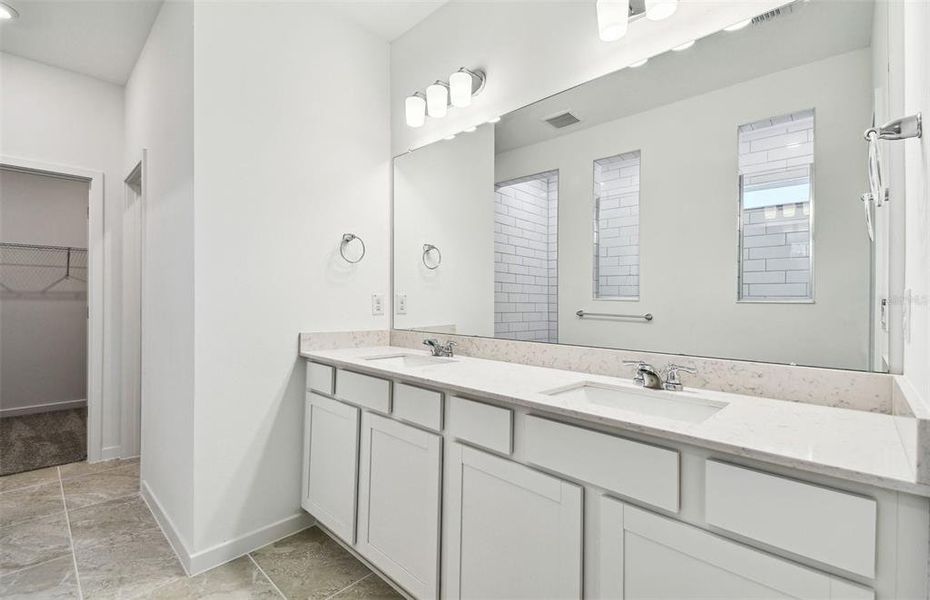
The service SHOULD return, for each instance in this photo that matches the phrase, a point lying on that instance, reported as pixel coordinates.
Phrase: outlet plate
(400, 302)
(377, 304)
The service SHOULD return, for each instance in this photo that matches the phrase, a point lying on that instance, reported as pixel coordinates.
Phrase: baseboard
(42, 408)
(198, 562)
(167, 527)
(227, 551)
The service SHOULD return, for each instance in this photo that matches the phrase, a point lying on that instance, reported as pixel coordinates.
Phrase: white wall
(678, 258)
(292, 150)
(43, 332)
(554, 48)
(55, 116)
(444, 195)
(917, 165)
(160, 118)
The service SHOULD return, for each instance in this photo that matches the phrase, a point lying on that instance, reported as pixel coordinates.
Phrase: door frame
(131, 404)
(98, 279)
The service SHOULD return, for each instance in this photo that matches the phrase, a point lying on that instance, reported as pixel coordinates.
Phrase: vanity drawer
(320, 378)
(639, 471)
(423, 407)
(488, 426)
(363, 390)
(830, 526)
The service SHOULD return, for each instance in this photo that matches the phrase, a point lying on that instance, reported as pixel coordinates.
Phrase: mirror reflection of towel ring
(348, 238)
(427, 249)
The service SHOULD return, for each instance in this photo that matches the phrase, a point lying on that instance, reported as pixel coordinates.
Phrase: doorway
(43, 319)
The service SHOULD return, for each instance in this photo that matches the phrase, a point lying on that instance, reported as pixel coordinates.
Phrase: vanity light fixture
(437, 99)
(656, 10)
(613, 19)
(738, 25)
(7, 12)
(684, 46)
(415, 108)
(639, 63)
(464, 84)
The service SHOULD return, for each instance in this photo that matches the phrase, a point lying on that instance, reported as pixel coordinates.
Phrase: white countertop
(848, 444)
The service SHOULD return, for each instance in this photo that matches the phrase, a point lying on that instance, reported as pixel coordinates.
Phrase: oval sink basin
(409, 360)
(681, 406)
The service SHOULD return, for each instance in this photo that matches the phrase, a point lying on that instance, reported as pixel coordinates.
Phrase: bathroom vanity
(469, 478)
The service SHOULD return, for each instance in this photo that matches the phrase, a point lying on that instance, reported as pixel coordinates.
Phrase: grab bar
(582, 314)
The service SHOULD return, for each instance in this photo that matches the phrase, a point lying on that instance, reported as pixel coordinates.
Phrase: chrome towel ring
(427, 250)
(348, 238)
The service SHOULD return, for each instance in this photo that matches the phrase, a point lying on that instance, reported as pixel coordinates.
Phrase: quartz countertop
(847, 444)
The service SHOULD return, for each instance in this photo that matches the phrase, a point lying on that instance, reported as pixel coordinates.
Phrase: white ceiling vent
(774, 14)
(562, 119)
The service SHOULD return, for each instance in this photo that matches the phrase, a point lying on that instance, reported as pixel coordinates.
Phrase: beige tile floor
(83, 531)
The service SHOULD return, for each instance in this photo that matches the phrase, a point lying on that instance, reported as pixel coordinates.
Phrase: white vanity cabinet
(399, 502)
(513, 532)
(331, 463)
(644, 555)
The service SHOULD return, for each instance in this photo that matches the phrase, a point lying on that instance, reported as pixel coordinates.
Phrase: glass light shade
(613, 18)
(7, 12)
(656, 10)
(460, 89)
(416, 110)
(437, 100)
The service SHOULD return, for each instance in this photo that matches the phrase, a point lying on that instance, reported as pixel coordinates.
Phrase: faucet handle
(672, 380)
(641, 367)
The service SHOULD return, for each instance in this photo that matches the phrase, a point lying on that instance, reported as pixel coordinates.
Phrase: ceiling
(388, 19)
(100, 38)
(803, 33)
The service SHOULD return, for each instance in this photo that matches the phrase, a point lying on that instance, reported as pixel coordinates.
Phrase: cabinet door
(513, 532)
(399, 495)
(331, 464)
(643, 555)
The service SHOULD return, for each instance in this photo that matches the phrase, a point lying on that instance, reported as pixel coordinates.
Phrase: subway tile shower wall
(526, 256)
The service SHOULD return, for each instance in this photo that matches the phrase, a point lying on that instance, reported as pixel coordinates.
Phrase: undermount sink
(409, 360)
(681, 406)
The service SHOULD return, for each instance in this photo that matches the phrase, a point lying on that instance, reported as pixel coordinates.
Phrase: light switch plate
(400, 301)
(377, 304)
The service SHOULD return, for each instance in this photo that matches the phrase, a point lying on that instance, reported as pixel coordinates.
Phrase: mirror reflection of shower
(526, 254)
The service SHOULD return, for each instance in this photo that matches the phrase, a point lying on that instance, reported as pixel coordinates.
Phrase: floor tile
(52, 580)
(129, 568)
(28, 478)
(30, 503)
(370, 588)
(37, 541)
(112, 522)
(309, 565)
(85, 468)
(236, 580)
(102, 486)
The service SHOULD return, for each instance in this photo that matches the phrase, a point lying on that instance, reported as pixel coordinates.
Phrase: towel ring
(427, 248)
(348, 238)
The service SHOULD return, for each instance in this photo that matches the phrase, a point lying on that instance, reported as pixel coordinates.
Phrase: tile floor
(83, 531)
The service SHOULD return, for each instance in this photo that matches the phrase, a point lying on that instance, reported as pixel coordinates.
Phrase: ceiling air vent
(773, 14)
(562, 120)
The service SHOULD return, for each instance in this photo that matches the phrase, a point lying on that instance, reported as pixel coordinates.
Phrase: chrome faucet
(672, 380)
(648, 377)
(440, 349)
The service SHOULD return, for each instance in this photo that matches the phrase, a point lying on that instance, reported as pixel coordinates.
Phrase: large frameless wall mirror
(706, 203)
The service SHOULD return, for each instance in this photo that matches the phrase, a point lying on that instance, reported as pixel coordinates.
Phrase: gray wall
(43, 335)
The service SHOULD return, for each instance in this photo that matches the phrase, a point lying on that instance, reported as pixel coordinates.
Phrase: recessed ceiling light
(7, 12)
(738, 26)
(684, 46)
(494, 120)
(639, 63)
